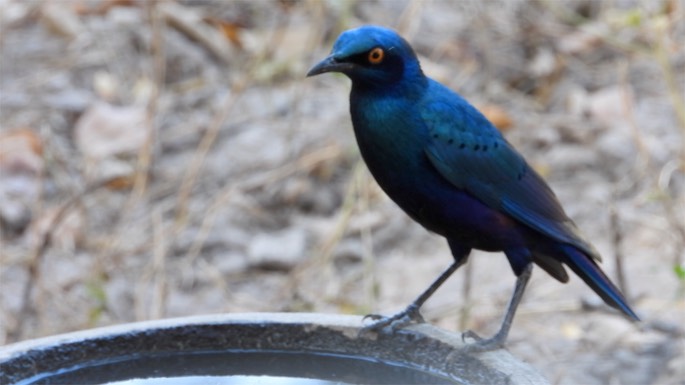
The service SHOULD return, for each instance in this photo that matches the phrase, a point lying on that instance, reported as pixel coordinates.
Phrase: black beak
(330, 64)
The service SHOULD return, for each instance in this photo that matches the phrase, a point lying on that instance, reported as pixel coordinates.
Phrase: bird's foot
(483, 344)
(392, 323)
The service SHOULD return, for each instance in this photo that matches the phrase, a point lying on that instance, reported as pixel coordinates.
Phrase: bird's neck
(410, 88)
(385, 121)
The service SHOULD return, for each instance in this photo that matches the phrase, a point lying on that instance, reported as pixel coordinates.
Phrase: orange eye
(376, 55)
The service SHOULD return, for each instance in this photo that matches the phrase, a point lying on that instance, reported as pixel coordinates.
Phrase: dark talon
(470, 334)
(484, 345)
(393, 323)
(374, 317)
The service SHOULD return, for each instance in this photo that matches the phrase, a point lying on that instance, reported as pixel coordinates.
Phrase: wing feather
(472, 155)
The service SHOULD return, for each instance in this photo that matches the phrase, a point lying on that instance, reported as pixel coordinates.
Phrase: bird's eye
(376, 55)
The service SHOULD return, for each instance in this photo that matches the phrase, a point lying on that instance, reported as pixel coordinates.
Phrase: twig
(146, 152)
(578, 20)
(211, 135)
(617, 241)
(190, 23)
(160, 248)
(38, 254)
(327, 246)
(201, 152)
(671, 208)
(304, 164)
(410, 18)
(370, 278)
(672, 84)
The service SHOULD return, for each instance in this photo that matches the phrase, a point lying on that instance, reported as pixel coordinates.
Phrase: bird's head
(371, 56)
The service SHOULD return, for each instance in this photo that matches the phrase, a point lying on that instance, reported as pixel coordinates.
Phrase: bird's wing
(472, 155)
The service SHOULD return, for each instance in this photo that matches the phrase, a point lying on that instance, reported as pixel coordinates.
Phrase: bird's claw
(482, 344)
(374, 317)
(470, 334)
(389, 324)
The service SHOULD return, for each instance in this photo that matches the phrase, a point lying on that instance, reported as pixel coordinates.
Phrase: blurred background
(169, 158)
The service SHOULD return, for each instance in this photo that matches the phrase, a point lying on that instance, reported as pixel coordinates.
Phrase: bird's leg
(498, 340)
(411, 313)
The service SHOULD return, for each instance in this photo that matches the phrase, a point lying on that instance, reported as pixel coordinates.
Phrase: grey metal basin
(264, 348)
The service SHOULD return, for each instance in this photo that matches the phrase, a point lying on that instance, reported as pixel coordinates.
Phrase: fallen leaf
(21, 170)
(287, 46)
(66, 230)
(61, 20)
(189, 22)
(120, 182)
(101, 7)
(21, 151)
(229, 29)
(119, 175)
(612, 105)
(497, 116)
(105, 131)
(582, 40)
(281, 250)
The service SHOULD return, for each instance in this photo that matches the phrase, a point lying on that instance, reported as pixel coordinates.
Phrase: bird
(451, 170)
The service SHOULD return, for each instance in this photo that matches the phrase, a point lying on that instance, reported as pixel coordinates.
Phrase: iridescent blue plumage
(452, 171)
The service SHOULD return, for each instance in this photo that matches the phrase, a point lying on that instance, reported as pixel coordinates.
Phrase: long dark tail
(587, 269)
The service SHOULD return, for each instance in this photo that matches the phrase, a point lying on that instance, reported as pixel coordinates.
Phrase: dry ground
(163, 159)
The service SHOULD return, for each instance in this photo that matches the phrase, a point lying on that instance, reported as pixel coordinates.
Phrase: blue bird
(453, 172)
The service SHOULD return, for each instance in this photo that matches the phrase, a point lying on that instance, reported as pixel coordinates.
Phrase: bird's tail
(589, 271)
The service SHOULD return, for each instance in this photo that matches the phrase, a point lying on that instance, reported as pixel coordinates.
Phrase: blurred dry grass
(168, 158)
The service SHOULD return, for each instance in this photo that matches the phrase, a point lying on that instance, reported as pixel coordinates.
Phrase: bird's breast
(391, 140)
